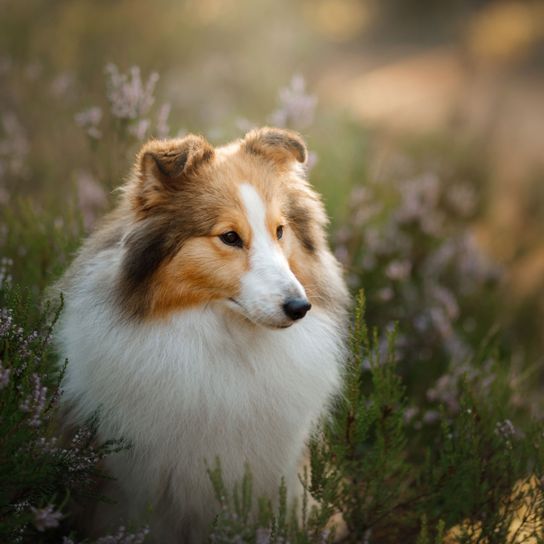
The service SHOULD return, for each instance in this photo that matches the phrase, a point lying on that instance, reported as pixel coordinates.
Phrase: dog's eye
(279, 232)
(231, 238)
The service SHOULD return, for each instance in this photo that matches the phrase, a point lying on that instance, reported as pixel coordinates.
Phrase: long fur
(155, 343)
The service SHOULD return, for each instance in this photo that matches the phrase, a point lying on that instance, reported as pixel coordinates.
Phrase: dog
(204, 318)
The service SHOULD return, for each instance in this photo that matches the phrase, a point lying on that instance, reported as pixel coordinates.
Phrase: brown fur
(183, 195)
(277, 145)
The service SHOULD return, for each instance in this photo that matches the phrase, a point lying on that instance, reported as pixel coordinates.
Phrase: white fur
(269, 282)
(204, 383)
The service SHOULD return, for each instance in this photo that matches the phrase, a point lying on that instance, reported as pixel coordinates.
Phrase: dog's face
(238, 225)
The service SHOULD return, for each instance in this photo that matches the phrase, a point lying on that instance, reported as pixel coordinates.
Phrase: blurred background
(425, 121)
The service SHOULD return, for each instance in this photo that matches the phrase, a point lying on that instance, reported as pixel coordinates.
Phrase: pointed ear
(276, 144)
(162, 168)
(168, 162)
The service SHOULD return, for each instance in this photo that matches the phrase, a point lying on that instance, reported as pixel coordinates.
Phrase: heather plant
(431, 441)
(242, 519)
(409, 240)
(126, 118)
(40, 235)
(478, 479)
(41, 472)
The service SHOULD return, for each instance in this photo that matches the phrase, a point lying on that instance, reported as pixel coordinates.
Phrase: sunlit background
(413, 110)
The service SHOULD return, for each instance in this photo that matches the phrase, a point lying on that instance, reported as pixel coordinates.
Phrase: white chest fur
(200, 385)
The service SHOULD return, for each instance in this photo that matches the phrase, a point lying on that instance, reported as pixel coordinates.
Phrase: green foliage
(241, 520)
(366, 438)
(478, 474)
(39, 243)
(40, 471)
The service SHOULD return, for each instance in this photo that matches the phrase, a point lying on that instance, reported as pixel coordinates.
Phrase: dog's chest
(224, 370)
(200, 374)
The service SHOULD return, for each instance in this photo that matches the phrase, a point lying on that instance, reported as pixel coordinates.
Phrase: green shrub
(477, 472)
(40, 471)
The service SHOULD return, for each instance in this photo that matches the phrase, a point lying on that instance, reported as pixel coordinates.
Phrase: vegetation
(469, 482)
(437, 437)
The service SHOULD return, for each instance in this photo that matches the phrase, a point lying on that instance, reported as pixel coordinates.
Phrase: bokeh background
(425, 121)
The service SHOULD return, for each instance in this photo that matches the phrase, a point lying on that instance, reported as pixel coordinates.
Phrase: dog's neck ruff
(169, 366)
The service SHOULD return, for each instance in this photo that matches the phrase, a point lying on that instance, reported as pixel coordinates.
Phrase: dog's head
(237, 224)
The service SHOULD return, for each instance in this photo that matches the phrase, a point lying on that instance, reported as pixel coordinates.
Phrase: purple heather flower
(410, 413)
(6, 321)
(46, 518)
(474, 263)
(14, 147)
(4, 375)
(89, 120)
(446, 299)
(505, 429)
(385, 294)
(130, 97)
(312, 160)
(296, 107)
(342, 254)
(61, 84)
(324, 536)
(364, 213)
(47, 445)
(163, 130)
(360, 195)
(263, 536)
(419, 196)
(462, 198)
(5, 267)
(445, 391)
(122, 537)
(91, 197)
(139, 128)
(431, 416)
(34, 404)
(441, 323)
(244, 125)
(368, 263)
(398, 270)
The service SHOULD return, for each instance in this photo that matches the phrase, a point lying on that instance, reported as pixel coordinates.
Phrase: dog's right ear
(163, 166)
(171, 161)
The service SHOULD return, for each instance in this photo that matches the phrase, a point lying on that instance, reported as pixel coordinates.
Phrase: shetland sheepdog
(204, 319)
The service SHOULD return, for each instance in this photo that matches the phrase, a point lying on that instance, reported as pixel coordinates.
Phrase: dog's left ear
(278, 145)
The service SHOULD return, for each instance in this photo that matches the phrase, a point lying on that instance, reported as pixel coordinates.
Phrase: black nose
(296, 308)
